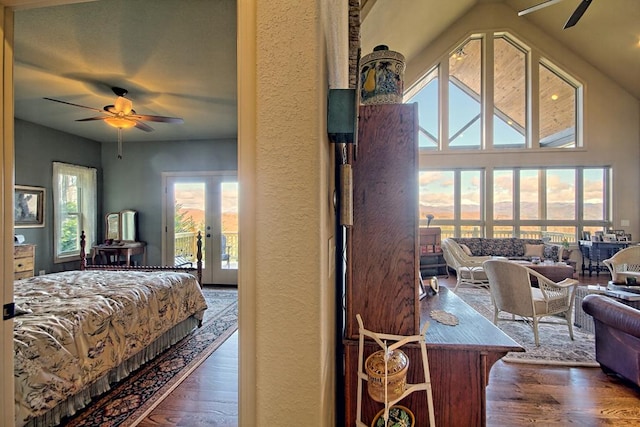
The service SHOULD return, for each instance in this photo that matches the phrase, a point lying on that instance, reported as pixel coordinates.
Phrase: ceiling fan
(573, 19)
(121, 115)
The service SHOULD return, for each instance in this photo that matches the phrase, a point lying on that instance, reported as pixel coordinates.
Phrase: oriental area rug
(556, 347)
(129, 401)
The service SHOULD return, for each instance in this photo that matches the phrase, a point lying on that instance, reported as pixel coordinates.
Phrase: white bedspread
(81, 324)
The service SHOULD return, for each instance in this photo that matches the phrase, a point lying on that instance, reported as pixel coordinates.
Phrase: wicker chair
(469, 269)
(511, 291)
(624, 263)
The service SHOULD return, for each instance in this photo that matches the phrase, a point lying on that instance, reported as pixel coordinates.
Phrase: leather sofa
(617, 328)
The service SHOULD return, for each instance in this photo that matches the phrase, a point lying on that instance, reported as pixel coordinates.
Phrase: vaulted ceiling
(607, 36)
(178, 57)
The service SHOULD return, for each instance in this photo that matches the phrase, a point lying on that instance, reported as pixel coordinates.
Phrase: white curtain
(79, 184)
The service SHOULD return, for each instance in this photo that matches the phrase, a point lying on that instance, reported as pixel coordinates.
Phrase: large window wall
(493, 92)
(556, 203)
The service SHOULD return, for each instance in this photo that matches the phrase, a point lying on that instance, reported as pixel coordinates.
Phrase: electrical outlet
(41, 273)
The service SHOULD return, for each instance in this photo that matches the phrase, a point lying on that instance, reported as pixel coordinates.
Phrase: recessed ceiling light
(554, 97)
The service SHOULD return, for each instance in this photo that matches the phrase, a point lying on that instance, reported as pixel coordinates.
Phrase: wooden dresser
(23, 261)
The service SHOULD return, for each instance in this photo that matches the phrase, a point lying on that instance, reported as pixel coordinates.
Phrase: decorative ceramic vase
(382, 77)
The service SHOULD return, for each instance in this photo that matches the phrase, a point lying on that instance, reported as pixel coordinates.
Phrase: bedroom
(206, 148)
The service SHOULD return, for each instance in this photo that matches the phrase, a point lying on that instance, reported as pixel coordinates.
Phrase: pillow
(466, 249)
(552, 252)
(533, 250)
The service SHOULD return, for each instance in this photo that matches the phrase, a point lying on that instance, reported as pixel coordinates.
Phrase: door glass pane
(229, 225)
(465, 96)
(189, 217)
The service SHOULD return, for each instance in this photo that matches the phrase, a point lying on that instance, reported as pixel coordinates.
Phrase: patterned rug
(556, 348)
(131, 400)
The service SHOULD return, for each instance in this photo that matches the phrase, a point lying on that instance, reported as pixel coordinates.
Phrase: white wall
(287, 224)
(611, 115)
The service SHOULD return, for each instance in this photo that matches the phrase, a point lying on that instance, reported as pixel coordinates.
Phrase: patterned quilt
(73, 327)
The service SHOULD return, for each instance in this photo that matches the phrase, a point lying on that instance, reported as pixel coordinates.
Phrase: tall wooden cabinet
(382, 260)
(382, 245)
(382, 283)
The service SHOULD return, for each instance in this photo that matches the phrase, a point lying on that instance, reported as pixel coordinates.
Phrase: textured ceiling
(175, 57)
(178, 57)
(607, 36)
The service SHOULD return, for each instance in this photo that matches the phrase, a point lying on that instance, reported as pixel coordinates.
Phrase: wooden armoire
(382, 246)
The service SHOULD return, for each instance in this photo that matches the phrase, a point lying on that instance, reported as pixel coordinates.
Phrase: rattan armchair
(624, 263)
(511, 292)
(469, 269)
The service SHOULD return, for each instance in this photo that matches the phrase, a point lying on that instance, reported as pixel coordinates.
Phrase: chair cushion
(538, 301)
(553, 304)
(478, 273)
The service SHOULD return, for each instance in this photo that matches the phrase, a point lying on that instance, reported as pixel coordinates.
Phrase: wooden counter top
(473, 329)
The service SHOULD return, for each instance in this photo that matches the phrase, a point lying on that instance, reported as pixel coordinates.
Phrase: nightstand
(23, 261)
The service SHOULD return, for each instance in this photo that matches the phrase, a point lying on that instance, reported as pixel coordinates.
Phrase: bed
(78, 332)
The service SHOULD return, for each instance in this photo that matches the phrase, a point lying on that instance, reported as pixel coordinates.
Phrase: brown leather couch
(617, 329)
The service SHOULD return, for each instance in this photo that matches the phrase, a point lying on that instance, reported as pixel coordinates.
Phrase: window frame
(487, 223)
(533, 59)
(86, 212)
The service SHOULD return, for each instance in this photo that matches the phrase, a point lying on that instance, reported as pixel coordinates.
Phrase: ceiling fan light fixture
(120, 122)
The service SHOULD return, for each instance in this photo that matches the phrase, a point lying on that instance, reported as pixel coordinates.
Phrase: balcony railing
(185, 248)
(548, 236)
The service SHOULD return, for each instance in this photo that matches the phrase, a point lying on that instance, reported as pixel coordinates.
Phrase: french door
(204, 202)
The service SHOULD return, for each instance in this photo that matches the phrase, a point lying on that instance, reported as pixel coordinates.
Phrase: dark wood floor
(517, 394)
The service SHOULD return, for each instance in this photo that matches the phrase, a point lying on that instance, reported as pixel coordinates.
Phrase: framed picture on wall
(28, 210)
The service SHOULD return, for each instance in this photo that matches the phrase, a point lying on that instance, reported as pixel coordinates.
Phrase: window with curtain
(74, 209)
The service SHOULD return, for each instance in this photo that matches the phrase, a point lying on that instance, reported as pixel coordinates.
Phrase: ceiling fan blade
(538, 7)
(88, 119)
(577, 14)
(143, 126)
(161, 119)
(75, 105)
